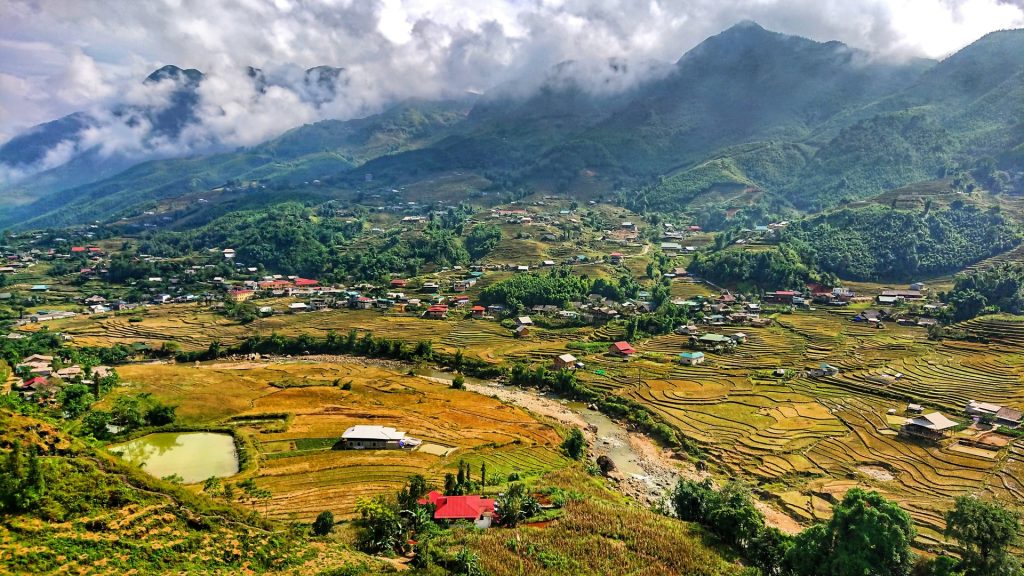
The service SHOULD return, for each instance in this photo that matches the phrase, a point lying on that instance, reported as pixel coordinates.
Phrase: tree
(984, 531)
(75, 399)
(379, 526)
(95, 423)
(127, 412)
(21, 479)
(160, 415)
(459, 383)
(867, 536)
(575, 445)
(324, 523)
(415, 489)
(516, 505)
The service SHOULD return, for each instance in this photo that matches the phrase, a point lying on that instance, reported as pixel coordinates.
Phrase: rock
(606, 464)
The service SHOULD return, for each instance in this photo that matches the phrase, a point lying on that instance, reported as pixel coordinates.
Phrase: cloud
(59, 56)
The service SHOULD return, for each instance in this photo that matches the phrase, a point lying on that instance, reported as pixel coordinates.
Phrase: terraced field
(805, 440)
(296, 463)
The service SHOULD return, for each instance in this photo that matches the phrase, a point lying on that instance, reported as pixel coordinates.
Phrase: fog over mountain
(59, 57)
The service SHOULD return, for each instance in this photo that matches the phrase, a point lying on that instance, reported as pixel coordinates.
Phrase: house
(298, 307)
(478, 311)
(904, 294)
(918, 287)
(780, 297)
(714, 340)
(671, 247)
(367, 437)
(915, 408)
(399, 283)
(361, 303)
(240, 295)
(521, 331)
(688, 330)
(476, 509)
(739, 337)
(565, 361)
(40, 288)
(524, 321)
(934, 427)
(305, 282)
(615, 257)
(692, 358)
(982, 409)
(430, 287)
(1009, 417)
(522, 268)
(436, 312)
(621, 348)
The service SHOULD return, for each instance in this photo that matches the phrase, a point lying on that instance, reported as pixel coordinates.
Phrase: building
(478, 510)
(399, 283)
(240, 295)
(478, 311)
(565, 361)
(365, 437)
(933, 427)
(621, 348)
(999, 415)
(298, 307)
(524, 321)
(692, 358)
(436, 312)
(780, 297)
(904, 294)
(521, 331)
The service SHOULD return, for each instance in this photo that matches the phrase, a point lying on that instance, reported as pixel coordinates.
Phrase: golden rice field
(802, 440)
(806, 441)
(296, 463)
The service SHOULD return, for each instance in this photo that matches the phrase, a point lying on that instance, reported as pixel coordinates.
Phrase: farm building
(615, 257)
(621, 349)
(476, 509)
(780, 297)
(692, 358)
(478, 311)
(566, 361)
(934, 426)
(524, 321)
(366, 437)
(521, 331)
(1001, 415)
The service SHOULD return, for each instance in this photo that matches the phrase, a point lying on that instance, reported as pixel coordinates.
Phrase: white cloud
(58, 56)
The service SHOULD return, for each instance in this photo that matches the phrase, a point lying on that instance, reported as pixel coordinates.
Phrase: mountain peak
(170, 71)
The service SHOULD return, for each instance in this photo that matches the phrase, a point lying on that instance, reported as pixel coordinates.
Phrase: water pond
(195, 456)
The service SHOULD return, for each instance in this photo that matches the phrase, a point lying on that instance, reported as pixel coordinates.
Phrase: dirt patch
(876, 473)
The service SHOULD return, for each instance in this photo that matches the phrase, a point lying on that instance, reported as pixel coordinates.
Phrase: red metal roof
(478, 309)
(305, 282)
(78, 248)
(624, 347)
(438, 308)
(458, 507)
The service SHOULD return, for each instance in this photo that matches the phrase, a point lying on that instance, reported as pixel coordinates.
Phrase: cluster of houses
(936, 426)
(38, 378)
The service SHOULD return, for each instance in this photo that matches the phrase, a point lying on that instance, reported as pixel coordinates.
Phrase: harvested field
(297, 462)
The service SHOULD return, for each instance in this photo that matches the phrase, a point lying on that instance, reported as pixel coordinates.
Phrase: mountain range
(797, 124)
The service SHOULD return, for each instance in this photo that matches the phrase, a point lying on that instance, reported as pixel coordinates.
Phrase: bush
(324, 523)
(575, 445)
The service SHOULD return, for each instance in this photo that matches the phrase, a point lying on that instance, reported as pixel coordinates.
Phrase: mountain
(748, 120)
(301, 155)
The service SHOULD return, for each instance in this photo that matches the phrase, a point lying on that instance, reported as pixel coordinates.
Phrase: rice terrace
(755, 312)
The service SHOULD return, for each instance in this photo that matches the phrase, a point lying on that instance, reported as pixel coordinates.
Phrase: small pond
(195, 456)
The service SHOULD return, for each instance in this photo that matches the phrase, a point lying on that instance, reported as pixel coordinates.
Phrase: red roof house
(399, 283)
(437, 312)
(305, 282)
(622, 349)
(33, 382)
(478, 311)
(77, 249)
(478, 509)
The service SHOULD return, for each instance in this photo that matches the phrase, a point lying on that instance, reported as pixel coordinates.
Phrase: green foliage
(459, 382)
(867, 535)
(324, 523)
(575, 445)
(482, 239)
(75, 399)
(881, 243)
(515, 505)
(997, 289)
(379, 528)
(22, 483)
(774, 269)
(558, 287)
(985, 532)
